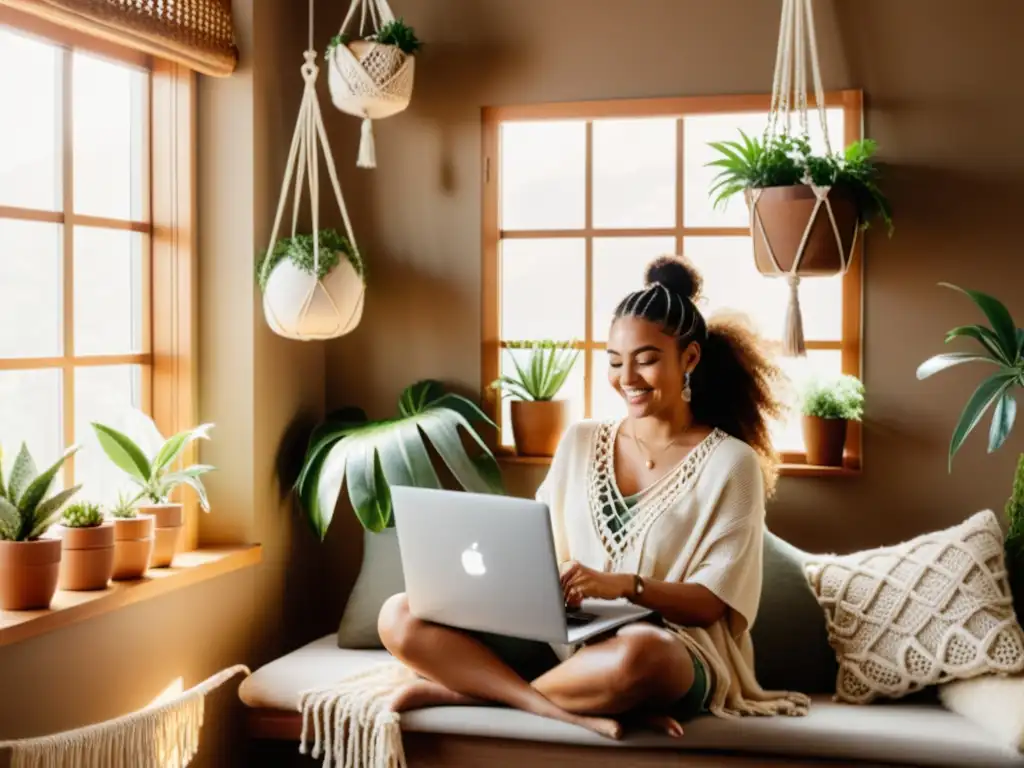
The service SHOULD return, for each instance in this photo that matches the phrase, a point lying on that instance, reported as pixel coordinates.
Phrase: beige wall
(943, 94)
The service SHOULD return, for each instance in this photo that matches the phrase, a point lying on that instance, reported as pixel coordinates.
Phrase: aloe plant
(153, 474)
(373, 455)
(26, 509)
(1000, 345)
(542, 377)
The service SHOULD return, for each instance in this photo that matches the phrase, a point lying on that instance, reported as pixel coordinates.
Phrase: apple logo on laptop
(473, 561)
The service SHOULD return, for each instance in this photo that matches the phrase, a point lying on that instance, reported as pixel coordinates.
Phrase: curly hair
(735, 385)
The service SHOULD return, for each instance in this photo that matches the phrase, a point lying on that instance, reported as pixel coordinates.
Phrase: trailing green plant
(373, 455)
(396, 33)
(153, 474)
(342, 39)
(123, 508)
(784, 161)
(83, 514)
(27, 510)
(299, 249)
(838, 397)
(544, 373)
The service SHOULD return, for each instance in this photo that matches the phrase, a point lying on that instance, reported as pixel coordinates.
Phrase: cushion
(930, 610)
(380, 577)
(995, 703)
(790, 625)
(894, 733)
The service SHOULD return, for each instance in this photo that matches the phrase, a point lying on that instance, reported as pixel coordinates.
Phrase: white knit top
(702, 523)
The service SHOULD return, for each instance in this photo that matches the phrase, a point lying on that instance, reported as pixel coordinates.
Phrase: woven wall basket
(800, 231)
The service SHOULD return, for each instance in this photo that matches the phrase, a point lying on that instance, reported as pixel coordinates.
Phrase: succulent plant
(398, 34)
(26, 509)
(153, 474)
(123, 508)
(83, 514)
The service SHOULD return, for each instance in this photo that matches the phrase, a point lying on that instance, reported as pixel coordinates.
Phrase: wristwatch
(638, 586)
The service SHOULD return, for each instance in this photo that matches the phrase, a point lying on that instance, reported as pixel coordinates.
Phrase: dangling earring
(687, 392)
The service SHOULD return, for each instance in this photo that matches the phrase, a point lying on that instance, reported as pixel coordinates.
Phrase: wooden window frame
(851, 101)
(169, 356)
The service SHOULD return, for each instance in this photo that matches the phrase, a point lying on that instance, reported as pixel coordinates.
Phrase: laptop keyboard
(575, 617)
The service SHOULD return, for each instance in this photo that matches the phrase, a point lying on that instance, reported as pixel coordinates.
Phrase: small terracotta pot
(28, 574)
(538, 425)
(170, 526)
(825, 440)
(87, 560)
(780, 217)
(133, 546)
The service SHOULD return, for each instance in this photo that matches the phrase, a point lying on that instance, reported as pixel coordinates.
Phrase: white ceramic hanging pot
(299, 306)
(370, 80)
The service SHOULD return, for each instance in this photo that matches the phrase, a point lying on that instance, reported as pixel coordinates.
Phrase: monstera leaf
(370, 456)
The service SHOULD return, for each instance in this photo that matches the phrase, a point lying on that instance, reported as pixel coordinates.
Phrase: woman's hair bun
(675, 273)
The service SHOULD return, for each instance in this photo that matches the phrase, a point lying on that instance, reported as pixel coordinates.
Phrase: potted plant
(373, 455)
(312, 290)
(134, 537)
(372, 78)
(156, 481)
(999, 345)
(538, 419)
(87, 559)
(29, 563)
(828, 405)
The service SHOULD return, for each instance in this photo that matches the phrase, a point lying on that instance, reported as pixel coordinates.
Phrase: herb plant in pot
(87, 559)
(156, 481)
(538, 419)
(134, 539)
(30, 563)
(828, 405)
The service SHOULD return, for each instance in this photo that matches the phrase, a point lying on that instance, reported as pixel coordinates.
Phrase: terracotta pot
(170, 527)
(87, 560)
(133, 546)
(28, 574)
(781, 215)
(825, 440)
(538, 425)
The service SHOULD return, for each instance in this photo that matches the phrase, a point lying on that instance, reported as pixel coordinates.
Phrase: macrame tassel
(367, 146)
(793, 333)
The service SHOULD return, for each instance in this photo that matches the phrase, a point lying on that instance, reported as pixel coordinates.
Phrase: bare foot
(421, 694)
(602, 726)
(665, 724)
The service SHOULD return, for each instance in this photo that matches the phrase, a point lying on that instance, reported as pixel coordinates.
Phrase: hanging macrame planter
(372, 78)
(313, 285)
(802, 230)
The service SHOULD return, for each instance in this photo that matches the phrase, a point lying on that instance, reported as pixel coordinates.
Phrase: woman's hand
(579, 582)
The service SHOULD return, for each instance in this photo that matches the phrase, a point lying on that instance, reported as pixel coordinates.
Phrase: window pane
(619, 264)
(731, 281)
(635, 173)
(788, 435)
(607, 403)
(30, 289)
(104, 394)
(543, 170)
(108, 291)
(30, 412)
(542, 289)
(108, 142)
(30, 158)
(698, 130)
(572, 390)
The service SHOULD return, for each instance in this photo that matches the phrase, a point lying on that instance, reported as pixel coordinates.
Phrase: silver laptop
(487, 562)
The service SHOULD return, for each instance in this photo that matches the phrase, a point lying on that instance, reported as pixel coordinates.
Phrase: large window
(95, 271)
(579, 197)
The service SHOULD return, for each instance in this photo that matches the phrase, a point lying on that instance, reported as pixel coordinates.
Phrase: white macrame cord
(304, 163)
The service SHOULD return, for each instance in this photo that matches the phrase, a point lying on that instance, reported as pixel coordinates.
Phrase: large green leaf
(368, 489)
(987, 393)
(940, 363)
(40, 487)
(47, 513)
(998, 316)
(22, 474)
(984, 336)
(123, 451)
(10, 520)
(196, 485)
(175, 445)
(1002, 421)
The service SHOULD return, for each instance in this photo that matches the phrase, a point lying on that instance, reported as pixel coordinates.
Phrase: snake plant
(26, 509)
(541, 378)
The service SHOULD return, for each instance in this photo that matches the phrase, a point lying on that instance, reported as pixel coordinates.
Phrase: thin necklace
(648, 460)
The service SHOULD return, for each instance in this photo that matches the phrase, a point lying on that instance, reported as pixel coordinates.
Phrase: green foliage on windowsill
(544, 373)
(839, 397)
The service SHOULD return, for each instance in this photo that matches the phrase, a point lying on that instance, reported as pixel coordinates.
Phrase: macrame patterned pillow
(933, 609)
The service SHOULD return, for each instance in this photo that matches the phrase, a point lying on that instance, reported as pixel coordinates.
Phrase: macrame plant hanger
(368, 79)
(316, 297)
(797, 47)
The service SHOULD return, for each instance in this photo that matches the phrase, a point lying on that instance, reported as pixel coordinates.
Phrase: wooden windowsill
(71, 607)
(785, 470)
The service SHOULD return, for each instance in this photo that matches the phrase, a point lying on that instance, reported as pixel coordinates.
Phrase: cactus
(82, 515)
(26, 509)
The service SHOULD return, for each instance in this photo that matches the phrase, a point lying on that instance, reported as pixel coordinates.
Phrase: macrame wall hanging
(372, 78)
(313, 285)
(802, 230)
